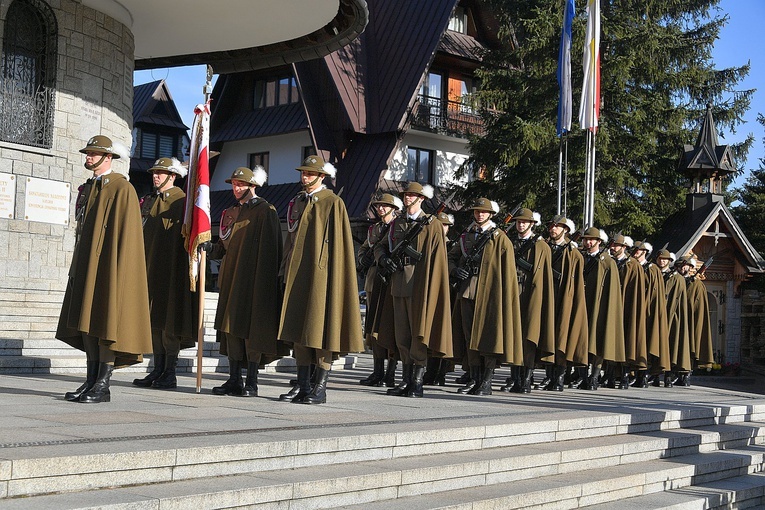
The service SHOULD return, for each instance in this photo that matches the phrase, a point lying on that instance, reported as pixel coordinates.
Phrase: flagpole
(201, 281)
(560, 172)
(565, 176)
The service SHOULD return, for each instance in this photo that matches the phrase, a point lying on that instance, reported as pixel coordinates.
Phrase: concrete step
(472, 480)
(443, 454)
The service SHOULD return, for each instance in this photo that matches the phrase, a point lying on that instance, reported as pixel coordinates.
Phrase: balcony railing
(452, 118)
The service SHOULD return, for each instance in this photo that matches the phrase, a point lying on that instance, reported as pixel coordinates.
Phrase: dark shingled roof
(461, 45)
(146, 98)
(261, 122)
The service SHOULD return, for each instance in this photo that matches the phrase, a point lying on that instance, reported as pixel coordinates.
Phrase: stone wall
(94, 94)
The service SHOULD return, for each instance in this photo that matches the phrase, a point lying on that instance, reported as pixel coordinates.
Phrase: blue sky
(739, 42)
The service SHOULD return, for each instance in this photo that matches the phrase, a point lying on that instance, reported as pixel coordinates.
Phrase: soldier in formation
(105, 312)
(320, 315)
(174, 307)
(247, 317)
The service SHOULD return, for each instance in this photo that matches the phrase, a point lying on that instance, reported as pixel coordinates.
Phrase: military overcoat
(249, 300)
(633, 283)
(384, 334)
(496, 327)
(604, 308)
(657, 329)
(701, 328)
(321, 302)
(537, 295)
(679, 320)
(570, 306)
(106, 295)
(174, 308)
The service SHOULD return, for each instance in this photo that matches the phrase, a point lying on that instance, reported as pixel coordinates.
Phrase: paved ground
(33, 412)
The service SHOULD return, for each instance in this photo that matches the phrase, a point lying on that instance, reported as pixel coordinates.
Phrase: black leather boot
(640, 379)
(558, 374)
(251, 383)
(594, 380)
(390, 373)
(484, 388)
(100, 390)
(303, 383)
(511, 381)
(90, 380)
(431, 371)
(668, 379)
(475, 376)
(443, 369)
(232, 386)
(318, 393)
(527, 379)
(547, 380)
(159, 367)
(464, 378)
(625, 379)
(414, 389)
(406, 378)
(579, 379)
(377, 376)
(684, 379)
(167, 381)
(609, 379)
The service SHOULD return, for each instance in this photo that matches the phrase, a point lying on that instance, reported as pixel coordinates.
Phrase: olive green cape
(174, 307)
(537, 300)
(384, 335)
(679, 320)
(604, 308)
(497, 320)
(249, 300)
(657, 329)
(701, 328)
(321, 302)
(571, 341)
(107, 296)
(633, 284)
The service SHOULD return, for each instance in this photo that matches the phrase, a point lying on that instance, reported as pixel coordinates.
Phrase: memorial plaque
(7, 195)
(47, 201)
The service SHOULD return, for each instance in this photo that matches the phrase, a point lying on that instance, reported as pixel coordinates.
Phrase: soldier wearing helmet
(604, 308)
(486, 321)
(702, 351)
(378, 331)
(173, 306)
(535, 284)
(570, 306)
(320, 315)
(247, 317)
(105, 312)
(678, 318)
(657, 334)
(419, 284)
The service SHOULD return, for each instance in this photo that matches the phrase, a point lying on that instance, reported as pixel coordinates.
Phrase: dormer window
(276, 92)
(458, 21)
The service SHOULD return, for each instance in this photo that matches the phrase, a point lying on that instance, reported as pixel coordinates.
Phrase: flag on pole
(564, 70)
(589, 108)
(196, 223)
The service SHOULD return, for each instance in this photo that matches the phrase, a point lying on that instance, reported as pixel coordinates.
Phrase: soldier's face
(239, 188)
(159, 177)
(384, 210)
(662, 263)
(617, 250)
(481, 217)
(311, 180)
(556, 231)
(411, 199)
(91, 158)
(639, 254)
(522, 226)
(591, 244)
(683, 269)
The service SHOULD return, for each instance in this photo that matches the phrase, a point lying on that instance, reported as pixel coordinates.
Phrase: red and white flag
(589, 108)
(196, 223)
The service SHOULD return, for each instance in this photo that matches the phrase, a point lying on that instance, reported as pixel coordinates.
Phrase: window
(458, 21)
(27, 90)
(419, 165)
(276, 92)
(259, 158)
(157, 145)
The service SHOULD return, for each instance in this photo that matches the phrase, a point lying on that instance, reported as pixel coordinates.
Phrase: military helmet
(644, 245)
(684, 260)
(418, 189)
(171, 165)
(486, 205)
(255, 177)
(317, 164)
(388, 199)
(664, 254)
(592, 233)
(446, 219)
(561, 220)
(525, 214)
(623, 240)
(101, 144)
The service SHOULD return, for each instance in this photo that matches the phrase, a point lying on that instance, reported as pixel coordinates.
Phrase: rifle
(367, 258)
(404, 248)
(703, 268)
(471, 260)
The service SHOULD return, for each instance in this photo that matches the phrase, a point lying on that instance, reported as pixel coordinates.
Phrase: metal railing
(453, 118)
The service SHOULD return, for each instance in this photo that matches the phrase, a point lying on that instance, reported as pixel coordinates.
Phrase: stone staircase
(692, 456)
(28, 322)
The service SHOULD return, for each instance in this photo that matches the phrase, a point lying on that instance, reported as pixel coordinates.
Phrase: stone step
(413, 483)
(491, 450)
(746, 491)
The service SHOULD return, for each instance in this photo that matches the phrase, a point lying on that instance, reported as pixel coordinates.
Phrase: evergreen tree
(657, 77)
(750, 215)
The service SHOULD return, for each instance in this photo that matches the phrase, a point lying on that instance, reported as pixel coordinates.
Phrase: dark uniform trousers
(239, 351)
(96, 351)
(411, 350)
(162, 343)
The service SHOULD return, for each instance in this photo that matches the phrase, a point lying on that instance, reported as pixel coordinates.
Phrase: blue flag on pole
(564, 70)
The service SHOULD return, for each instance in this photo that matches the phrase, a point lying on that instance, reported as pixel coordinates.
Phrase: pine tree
(657, 77)
(750, 215)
